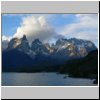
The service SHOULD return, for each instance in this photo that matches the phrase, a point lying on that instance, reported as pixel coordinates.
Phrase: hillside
(86, 67)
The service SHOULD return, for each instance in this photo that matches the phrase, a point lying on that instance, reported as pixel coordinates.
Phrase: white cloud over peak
(84, 27)
(35, 27)
(6, 38)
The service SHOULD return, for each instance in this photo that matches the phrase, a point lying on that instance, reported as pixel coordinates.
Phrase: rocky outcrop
(62, 49)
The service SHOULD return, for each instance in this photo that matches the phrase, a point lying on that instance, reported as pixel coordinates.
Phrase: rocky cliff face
(14, 43)
(38, 47)
(4, 44)
(24, 45)
(20, 44)
(62, 49)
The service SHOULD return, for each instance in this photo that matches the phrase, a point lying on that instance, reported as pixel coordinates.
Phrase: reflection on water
(42, 79)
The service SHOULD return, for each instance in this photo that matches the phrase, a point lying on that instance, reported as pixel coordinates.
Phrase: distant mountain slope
(84, 67)
(17, 61)
(63, 49)
(14, 60)
(22, 56)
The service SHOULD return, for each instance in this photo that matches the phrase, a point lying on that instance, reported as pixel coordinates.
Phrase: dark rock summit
(63, 49)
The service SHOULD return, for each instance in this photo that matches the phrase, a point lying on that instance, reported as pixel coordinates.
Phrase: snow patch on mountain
(63, 48)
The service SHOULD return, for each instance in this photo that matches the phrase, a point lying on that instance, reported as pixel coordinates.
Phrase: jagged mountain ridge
(63, 49)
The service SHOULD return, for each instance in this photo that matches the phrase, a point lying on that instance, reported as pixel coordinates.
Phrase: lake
(43, 79)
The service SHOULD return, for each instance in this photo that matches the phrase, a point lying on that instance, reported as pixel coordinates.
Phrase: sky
(50, 27)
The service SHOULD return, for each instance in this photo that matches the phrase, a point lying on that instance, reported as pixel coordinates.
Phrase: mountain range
(62, 49)
(21, 56)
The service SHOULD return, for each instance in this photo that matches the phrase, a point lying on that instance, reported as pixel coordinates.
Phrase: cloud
(84, 27)
(6, 38)
(5, 41)
(35, 27)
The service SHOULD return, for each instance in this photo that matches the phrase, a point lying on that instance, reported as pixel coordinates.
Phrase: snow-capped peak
(62, 48)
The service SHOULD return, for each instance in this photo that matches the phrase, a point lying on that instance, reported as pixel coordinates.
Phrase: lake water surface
(42, 79)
